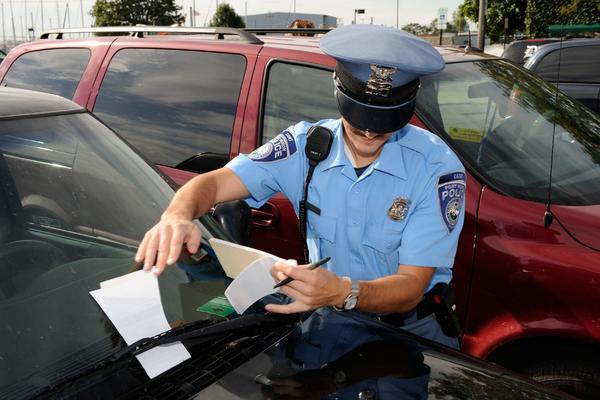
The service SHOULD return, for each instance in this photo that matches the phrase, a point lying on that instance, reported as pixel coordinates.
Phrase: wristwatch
(352, 299)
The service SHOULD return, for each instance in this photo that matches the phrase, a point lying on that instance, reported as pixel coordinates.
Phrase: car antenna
(548, 216)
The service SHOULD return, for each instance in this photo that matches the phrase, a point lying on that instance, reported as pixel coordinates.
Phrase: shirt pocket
(322, 227)
(385, 238)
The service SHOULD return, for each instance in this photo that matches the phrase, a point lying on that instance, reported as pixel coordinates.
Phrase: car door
(179, 105)
(292, 86)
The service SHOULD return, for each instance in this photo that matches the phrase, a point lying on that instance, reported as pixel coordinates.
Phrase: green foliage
(541, 14)
(415, 28)
(226, 16)
(459, 21)
(496, 12)
(433, 26)
(131, 12)
(531, 16)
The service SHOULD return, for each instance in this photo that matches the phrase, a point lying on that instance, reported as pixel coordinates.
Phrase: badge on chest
(399, 208)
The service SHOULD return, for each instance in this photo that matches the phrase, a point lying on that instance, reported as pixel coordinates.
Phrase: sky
(69, 12)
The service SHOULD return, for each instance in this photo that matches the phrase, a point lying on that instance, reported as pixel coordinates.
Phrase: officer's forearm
(198, 195)
(394, 293)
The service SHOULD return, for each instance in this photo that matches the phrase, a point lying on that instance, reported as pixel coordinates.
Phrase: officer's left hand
(309, 289)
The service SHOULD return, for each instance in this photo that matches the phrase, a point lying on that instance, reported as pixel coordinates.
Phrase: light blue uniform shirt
(354, 227)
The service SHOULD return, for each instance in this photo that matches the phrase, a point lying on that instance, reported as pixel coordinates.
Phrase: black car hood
(350, 356)
(384, 364)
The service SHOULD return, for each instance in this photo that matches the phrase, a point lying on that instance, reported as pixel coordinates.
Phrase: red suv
(527, 272)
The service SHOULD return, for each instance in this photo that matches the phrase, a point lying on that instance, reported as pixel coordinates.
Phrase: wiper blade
(193, 331)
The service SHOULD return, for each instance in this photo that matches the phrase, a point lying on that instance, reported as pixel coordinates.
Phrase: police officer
(387, 204)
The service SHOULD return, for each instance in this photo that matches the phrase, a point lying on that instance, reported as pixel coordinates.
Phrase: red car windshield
(506, 121)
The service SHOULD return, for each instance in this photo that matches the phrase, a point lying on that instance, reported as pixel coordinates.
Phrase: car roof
(287, 42)
(567, 43)
(20, 103)
(542, 51)
(245, 40)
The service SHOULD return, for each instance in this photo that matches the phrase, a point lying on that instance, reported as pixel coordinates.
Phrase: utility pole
(42, 13)
(481, 24)
(246, 13)
(81, 6)
(12, 20)
(294, 15)
(26, 30)
(65, 17)
(57, 15)
(3, 32)
(397, 14)
(194, 13)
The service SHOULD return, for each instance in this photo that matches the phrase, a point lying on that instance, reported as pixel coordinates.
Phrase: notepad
(251, 270)
(235, 257)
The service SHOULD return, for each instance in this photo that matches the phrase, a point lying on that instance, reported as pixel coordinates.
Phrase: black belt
(422, 310)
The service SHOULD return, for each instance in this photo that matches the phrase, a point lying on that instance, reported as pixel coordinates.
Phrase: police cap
(377, 74)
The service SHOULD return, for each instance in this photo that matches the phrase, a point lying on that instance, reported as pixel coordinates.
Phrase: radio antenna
(548, 216)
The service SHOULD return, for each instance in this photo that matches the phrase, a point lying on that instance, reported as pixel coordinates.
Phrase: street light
(358, 11)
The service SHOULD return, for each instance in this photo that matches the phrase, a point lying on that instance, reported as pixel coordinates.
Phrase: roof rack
(265, 31)
(140, 30)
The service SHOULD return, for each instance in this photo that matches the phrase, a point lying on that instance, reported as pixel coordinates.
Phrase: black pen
(310, 267)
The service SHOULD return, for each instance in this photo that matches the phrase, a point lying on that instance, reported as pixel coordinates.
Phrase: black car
(574, 65)
(74, 201)
(519, 51)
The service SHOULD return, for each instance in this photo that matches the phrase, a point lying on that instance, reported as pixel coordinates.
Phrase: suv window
(172, 104)
(501, 119)
(577, 64)
(55, 71)
(296, 93)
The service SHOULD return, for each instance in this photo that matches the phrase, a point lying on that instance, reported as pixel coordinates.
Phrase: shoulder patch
(451, 194)
(279, 148)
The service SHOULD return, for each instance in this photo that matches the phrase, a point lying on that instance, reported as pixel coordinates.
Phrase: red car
(527, 272)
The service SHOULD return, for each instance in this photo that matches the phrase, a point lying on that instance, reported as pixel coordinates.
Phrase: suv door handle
(266, 216)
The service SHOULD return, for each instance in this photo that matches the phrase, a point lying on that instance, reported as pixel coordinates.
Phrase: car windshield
(505, 122)
(74, 202)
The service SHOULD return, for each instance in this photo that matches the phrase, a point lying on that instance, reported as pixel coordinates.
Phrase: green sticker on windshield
(218, 306)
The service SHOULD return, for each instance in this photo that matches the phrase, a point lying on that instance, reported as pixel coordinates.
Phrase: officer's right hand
(163, 243)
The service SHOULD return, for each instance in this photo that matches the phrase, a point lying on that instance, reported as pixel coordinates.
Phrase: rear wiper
(193, 331)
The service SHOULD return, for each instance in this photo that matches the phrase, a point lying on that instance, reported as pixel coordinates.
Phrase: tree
(415, 28)
(540, 14)
(497, 11)
(433, 26)
(459, 21)
(132, 12)
(531, 16)
(226, 16)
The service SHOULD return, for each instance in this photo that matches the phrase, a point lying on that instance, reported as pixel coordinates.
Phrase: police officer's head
(377, 74)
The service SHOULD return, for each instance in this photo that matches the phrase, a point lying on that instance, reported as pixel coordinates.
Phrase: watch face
(350, 303)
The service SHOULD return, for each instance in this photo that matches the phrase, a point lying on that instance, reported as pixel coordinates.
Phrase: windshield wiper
(192, 330)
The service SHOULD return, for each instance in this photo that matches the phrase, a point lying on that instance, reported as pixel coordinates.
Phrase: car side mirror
(234, 217)
(204, 162)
